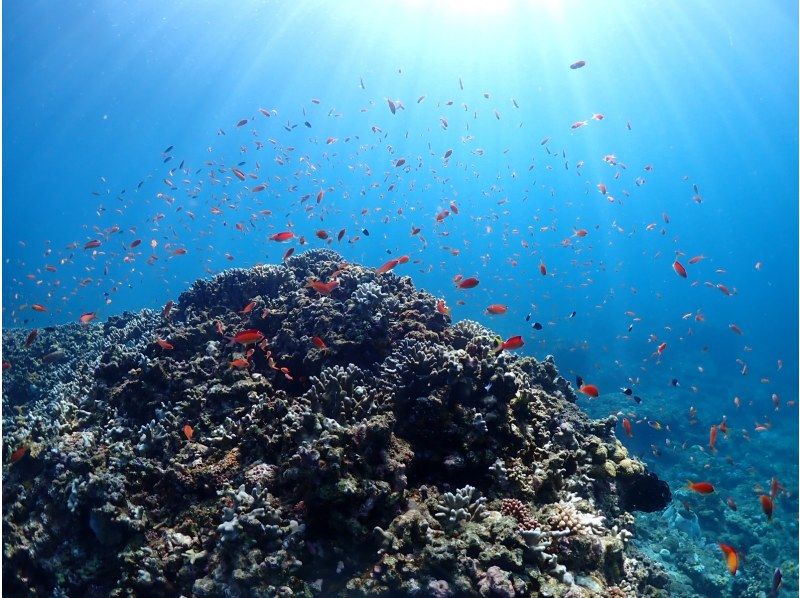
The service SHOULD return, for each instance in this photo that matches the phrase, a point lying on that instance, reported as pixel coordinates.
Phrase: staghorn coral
(369, 467)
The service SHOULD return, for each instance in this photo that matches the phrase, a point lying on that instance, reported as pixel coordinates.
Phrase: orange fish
(87, 317)
(515, 342)
(240, 363)
(581, 232)
(468, 283)
(164, 344)
(679, 269)
(167, 309)
(766, 505)
(712, 439)
(442, 308)
(590, 390)
(37, 307)
(325, 288)
(188, 431)
(246, 337)
(626, 425)
(284, 236)
(731, 558)
(496, 309)
(387, 266)
(700, 487)
(18, 454)
(319, 343)
(248, 308)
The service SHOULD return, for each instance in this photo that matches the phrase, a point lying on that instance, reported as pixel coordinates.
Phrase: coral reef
(403, 455)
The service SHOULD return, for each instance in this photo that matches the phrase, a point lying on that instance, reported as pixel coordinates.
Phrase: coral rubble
(401, 455)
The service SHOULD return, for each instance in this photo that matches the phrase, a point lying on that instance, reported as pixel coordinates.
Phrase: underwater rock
(404, 455)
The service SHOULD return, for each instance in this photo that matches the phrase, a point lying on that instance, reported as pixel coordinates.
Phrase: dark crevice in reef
(405, 457)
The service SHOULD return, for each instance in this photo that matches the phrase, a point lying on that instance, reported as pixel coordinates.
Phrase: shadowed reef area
(399, 454)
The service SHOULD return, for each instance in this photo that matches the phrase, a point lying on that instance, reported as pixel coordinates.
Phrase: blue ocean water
(697, 149)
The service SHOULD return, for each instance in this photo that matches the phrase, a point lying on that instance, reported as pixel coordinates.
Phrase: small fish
(537, 326)
(92, 244)
(679, 269)
(542, 269)
(87, 317)
(248, 308)
(627, 391)
(766, 505)
(283, 236)
(735, 328)
(188, 431)
(18, 454)
(712, 439)
(578, 65)
(700, 487)
(579, 381)
(626, 425)
(31, 338)
(167, 309)
(325, 288)
(497, 309)
(637, 399)
(387, 266)
(468, 283)
(777, 580)
(514, 342)
(239, 174)
(246, 337)
(731, 504)
(319, 343)
(731, 558)
(590, 390)
(164, 344)
(674, 382)
(239, 363)
(442, 308)
(38, 307)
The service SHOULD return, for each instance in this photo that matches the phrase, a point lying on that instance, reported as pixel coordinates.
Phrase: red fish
(497, 309)
(31, 337)
(87, 317)
(696, 259)
(590, 390)
(766, 505)
(38, 307)
(712, 439)
(542, 269)
(246, 337)
(321, 234)
(240, 363)
(514, 342)
(387, 266)
(626, 425)
(581, 232)
(774, 486)
(167, 309)
(289, 252)
(660, 349)
(731, 558)
(188, 431)
(280, 237)
(239, 174)
(92, 244)
(135, 243)
(679, 269)
(18, 454)
(326, 288)
(248, 308)
(164, 344)
(468, 283)
(319, 343)
(602, 188)
(700, 487)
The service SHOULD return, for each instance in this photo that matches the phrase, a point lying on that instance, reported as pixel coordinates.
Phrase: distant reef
(368, 446)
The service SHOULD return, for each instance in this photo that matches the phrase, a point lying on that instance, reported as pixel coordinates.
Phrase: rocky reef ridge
(365, 446)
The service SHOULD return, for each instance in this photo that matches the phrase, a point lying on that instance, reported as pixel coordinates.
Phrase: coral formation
(405, 456)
